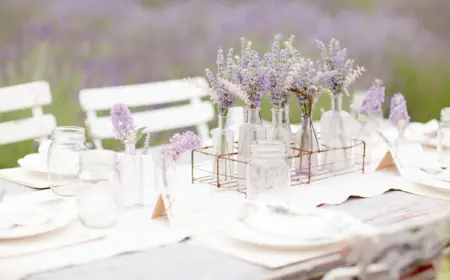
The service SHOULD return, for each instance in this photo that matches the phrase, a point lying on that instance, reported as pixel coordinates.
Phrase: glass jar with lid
(443, 146)
(63, 161)
(268, 177)
(98, 187)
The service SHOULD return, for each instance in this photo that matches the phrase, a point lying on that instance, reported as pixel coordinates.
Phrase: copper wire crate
(203, 165)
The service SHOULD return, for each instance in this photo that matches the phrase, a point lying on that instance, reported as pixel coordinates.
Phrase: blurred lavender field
(83, 43)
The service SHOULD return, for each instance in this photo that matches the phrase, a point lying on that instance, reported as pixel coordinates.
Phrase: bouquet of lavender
(279, 62)
(181, 143)
(251, 74)
(341, 71)
(223, 87)
(307, 82)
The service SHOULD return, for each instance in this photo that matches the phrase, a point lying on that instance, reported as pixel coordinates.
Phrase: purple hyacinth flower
(398, 115)
(183, 142)
(373, 99)
(123, 122)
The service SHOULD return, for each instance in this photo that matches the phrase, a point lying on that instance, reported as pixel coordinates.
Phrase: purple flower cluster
(251, 74)
(123, 123)
(373, 99)
(341, 70)
(398, 115)
(279, 62)
(183, 142)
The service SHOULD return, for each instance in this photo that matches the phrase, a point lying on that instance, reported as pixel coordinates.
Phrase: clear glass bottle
(223, 140)
(98, 188)
(443, 146)
(337, 128)
(369, 124)
(268, 177)
(287, 122)
(279, 131)
(131, 179)
(251, 130)
(63, 159)
(307, 158)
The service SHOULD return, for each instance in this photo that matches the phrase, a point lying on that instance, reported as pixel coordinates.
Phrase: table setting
(269, 196)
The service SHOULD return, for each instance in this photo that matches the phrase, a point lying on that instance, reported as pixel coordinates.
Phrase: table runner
(134, 232)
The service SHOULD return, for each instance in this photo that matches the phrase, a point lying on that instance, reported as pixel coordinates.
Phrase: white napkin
(21, 176)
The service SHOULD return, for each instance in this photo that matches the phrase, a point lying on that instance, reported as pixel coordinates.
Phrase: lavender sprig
(123, 123)
(226, 71)
(279, 62)
(398, 115)
(182, 142)
(373, 99)
(341, 70)
(251, 74)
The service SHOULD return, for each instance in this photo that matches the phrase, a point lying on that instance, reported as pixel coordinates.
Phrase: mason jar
(268, 177)
(443, 146)
(63, 162)
(98, 187)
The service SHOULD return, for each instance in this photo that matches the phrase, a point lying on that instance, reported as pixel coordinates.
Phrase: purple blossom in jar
(181, 143)
(373, 99)
(398, 115)
(123, 122)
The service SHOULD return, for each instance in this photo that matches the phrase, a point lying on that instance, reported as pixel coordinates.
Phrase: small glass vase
(130, 166)
(307, 158)
(279, 131)
(223, 140)
(287, 123)
(251, 130)
(337, 128)
(367, 133)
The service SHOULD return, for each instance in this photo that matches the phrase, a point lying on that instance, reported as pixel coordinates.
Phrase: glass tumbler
(443, 146)
(98, 187)
(63, 162)
(268, 172)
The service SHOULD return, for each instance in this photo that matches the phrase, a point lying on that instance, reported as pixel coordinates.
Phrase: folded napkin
(24, 177)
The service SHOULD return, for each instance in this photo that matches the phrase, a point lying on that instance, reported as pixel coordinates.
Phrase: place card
(160, 209)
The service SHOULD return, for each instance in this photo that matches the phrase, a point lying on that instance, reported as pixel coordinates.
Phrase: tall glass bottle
(279, 131)
(307, 161)
(223, 140)
(337, 128)
(251, 130)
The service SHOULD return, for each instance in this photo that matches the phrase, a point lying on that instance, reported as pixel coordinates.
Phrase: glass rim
(69, 129)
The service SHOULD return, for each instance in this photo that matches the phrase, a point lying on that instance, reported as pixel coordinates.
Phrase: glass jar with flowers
(129, 164)
(304, 80)
(369, 115)
(337, 126)
(223, 92)
(399, 118)
(279, 62)
(252, 79)
(168, 171)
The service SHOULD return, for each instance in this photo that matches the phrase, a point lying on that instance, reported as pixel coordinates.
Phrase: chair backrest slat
(27, 129)
(197, 113)
(25, 96)
(32, 96)
(142, 94)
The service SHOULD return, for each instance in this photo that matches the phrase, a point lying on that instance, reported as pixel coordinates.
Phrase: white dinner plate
(264, 226)
(33, 162)
(426, 179)
(58, 217)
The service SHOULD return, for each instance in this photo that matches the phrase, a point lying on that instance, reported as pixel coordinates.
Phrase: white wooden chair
(197, 113)
(26, 96)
